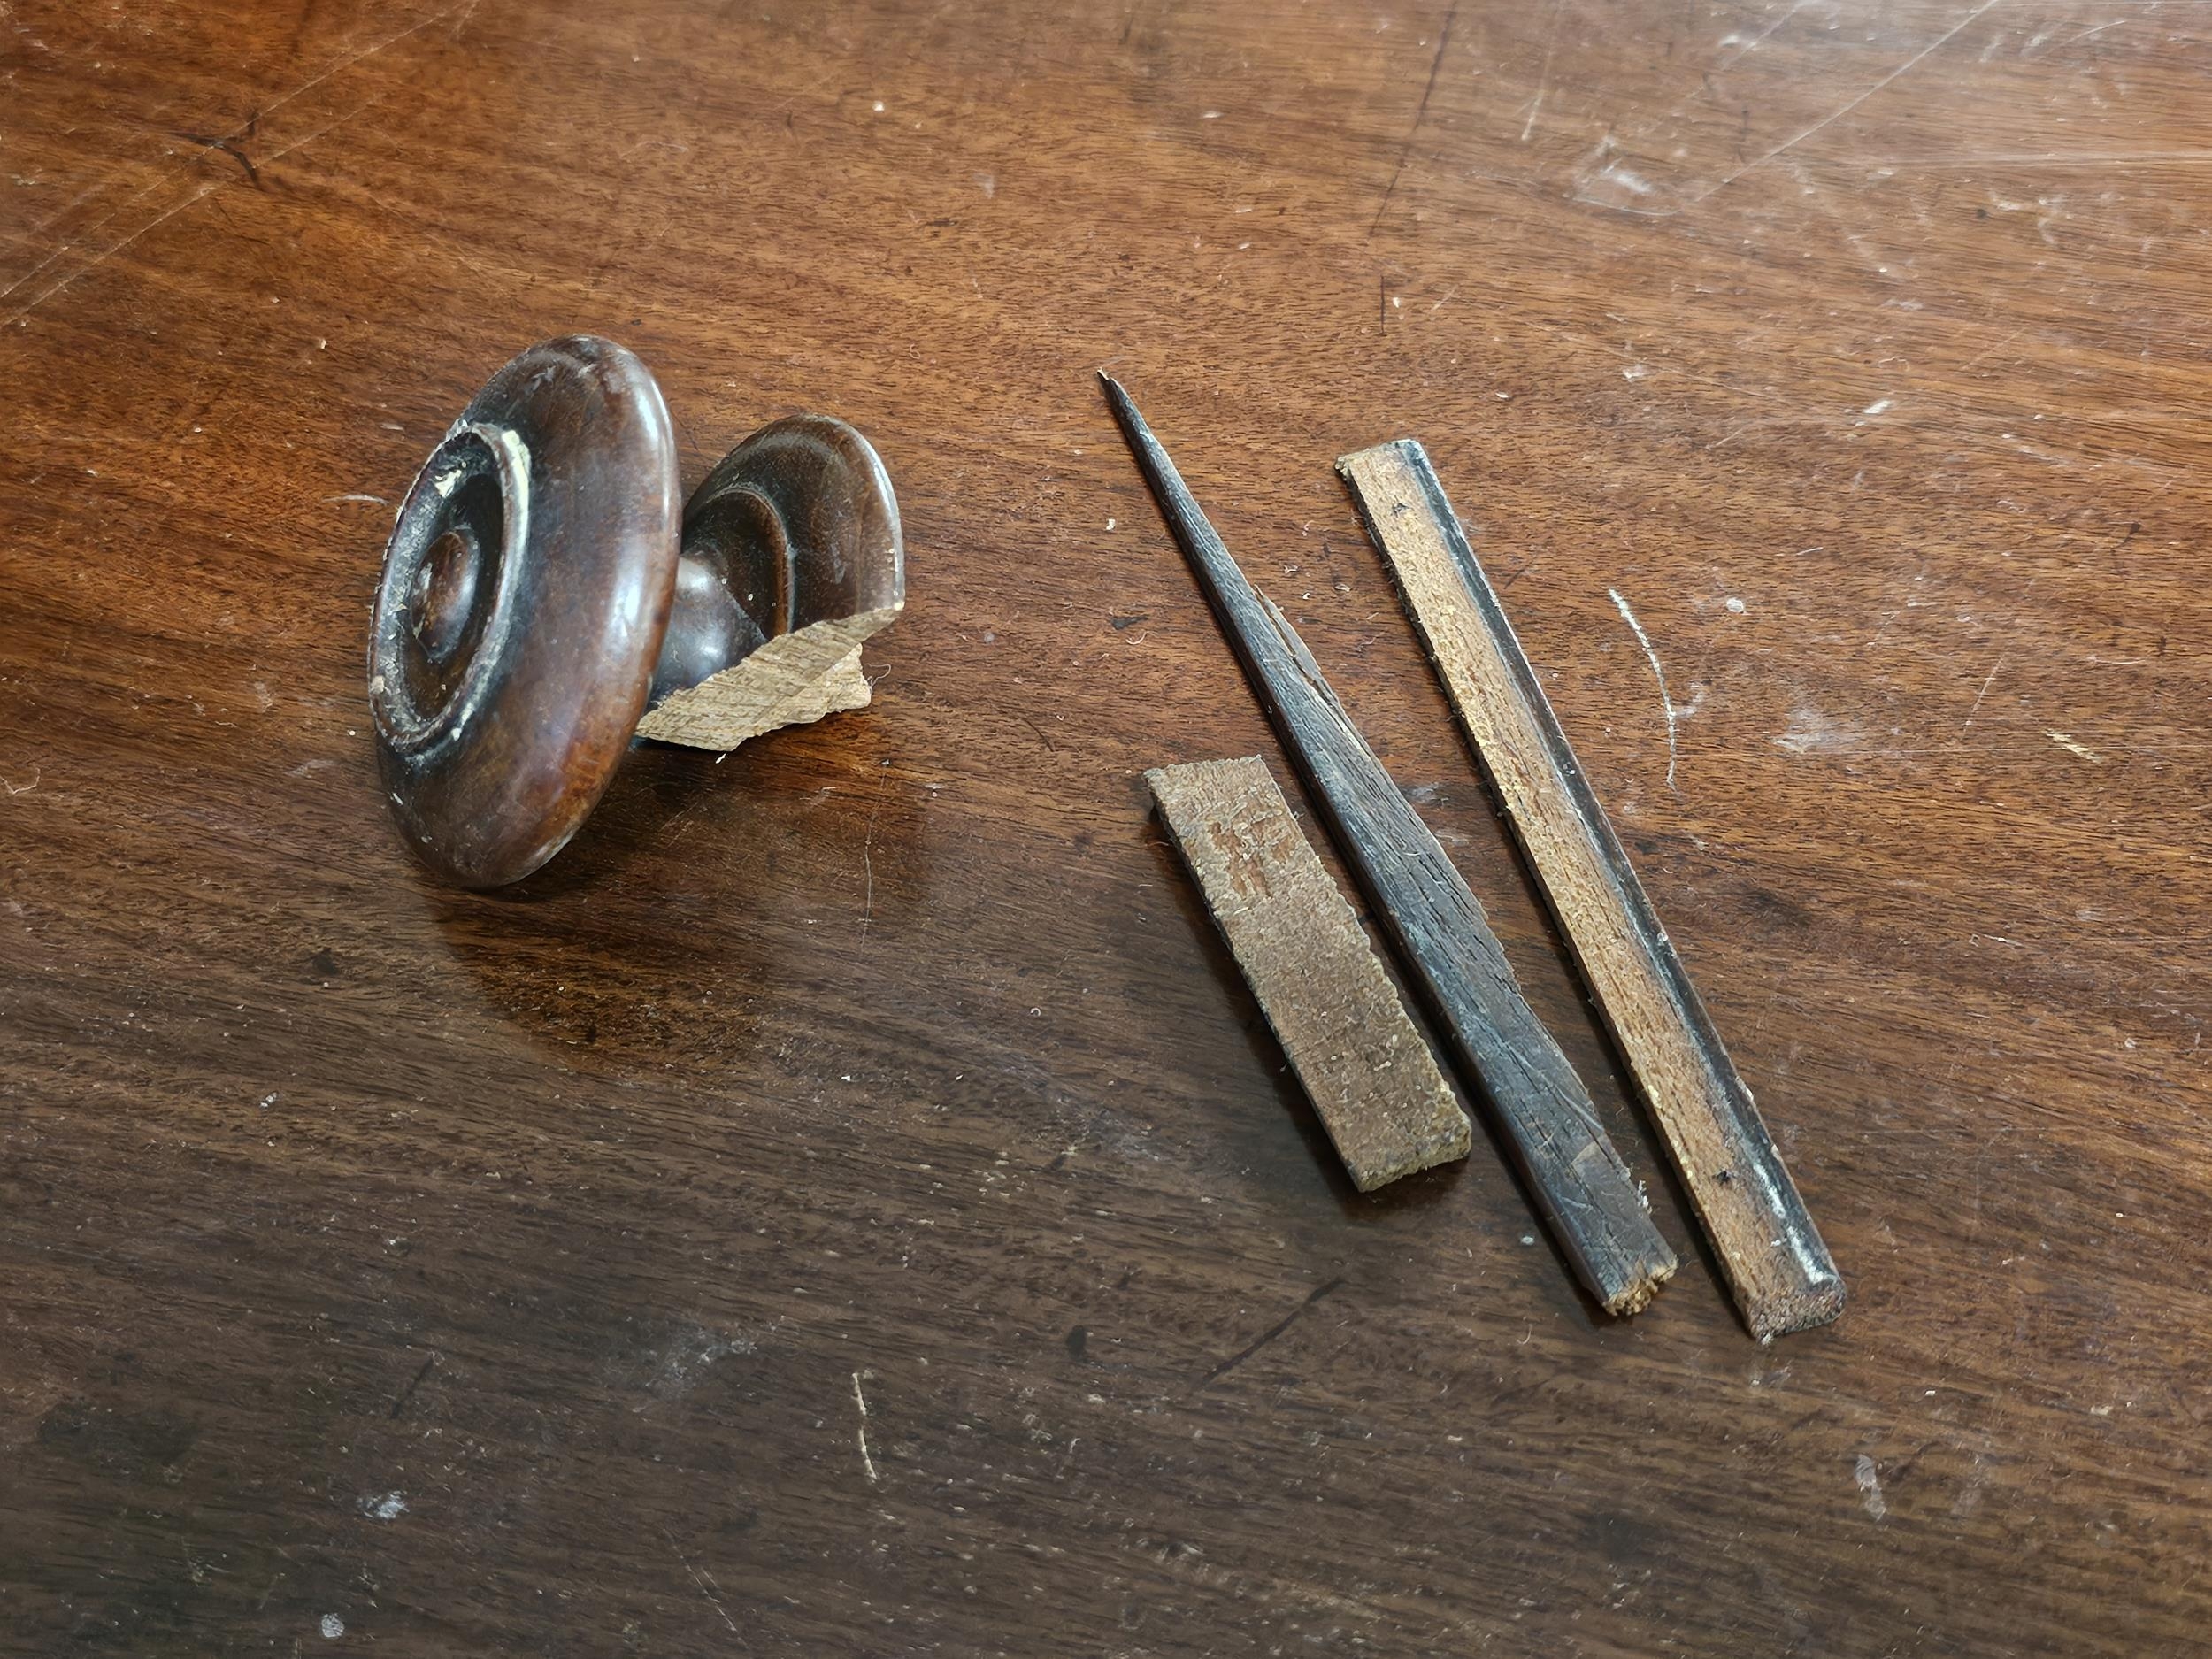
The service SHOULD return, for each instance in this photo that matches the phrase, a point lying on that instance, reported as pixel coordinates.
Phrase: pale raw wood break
(1364, 1065)
(1780, 1271)
(795, 678)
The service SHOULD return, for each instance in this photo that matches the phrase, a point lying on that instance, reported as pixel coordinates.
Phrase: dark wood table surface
(847, 1204)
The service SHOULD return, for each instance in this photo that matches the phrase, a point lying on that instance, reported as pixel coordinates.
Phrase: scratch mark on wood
(1821, 125)
(1406, 148)
(1758, 40)
(1658, 674)
(1996, 669)
(861, 1399)
(1272, 1332)
(1039, 732)
(249, 128)
(414, 1383)
(197, 195)
(1543, 73)
(229, 147)
(713, 1601)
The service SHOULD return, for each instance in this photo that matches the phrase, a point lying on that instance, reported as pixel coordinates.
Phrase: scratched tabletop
(847, 1204)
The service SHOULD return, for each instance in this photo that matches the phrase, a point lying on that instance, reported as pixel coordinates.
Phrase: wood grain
(1364, 1066)
(1780, 1270)
(1580, 1185)
(570, 1215)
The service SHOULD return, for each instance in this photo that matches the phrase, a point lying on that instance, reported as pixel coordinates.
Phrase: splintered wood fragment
(1583, 1190)
(1780, 1270)
(1364, 1066)
(795, 678)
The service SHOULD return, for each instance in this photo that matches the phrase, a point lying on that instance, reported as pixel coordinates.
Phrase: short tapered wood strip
(1364, 1065)
(1780, 1271)
(1583, 1190)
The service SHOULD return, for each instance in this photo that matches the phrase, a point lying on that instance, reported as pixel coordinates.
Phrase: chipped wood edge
(1363, 1064)
(1779, 1269)
(793, 678)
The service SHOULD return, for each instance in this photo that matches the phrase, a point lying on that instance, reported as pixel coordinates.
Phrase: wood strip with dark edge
(1364, 1065)
(1777, 1266)
(1583, 1189)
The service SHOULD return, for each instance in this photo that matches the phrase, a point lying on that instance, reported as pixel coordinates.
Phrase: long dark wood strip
(1364, 1064)
(1583, 1189)
(1776, 1265)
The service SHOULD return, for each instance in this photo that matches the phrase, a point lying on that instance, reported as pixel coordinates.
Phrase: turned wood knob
(540, 595)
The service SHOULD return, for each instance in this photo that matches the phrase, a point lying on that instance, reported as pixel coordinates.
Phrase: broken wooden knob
(542, 605)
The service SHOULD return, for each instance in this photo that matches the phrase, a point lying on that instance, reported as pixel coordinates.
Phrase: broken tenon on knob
(543, 604)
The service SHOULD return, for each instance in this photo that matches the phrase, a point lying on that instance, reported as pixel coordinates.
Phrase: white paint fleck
(1658, 674)
(1110, 524)
(1879, 405)
(878, 106)
(2072, 748)
(381, 1506)
(1869, 1487)
(1635, 372)
(333, 1627)
(1735, 605)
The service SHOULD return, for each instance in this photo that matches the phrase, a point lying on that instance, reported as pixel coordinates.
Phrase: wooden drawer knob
(540, 595)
